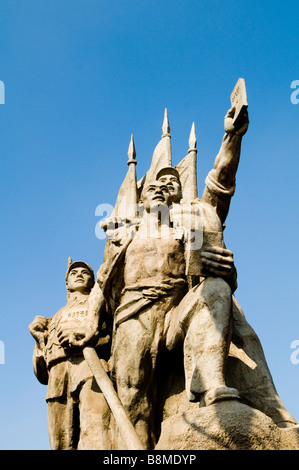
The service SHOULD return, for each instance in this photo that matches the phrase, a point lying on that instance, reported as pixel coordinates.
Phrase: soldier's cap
(168, 170)
(76, 264)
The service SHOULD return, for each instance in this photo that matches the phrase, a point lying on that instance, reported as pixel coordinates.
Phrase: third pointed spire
(165, 126)
(192, 138)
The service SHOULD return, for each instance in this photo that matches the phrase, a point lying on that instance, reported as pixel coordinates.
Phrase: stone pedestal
(226, 425)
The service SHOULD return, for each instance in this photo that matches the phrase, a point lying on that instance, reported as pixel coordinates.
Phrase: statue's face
(155, 195)
(79, 279)
(173, 185)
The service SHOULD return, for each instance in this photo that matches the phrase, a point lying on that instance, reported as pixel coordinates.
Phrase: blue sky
(80, 76)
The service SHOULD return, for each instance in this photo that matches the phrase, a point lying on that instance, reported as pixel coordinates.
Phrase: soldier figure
(78, 415)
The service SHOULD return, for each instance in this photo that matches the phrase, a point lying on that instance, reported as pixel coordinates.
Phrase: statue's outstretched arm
(221, 180)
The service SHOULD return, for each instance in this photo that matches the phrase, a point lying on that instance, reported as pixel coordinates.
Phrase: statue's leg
(204, 320)
(95, 417)
(133, 371)
(61, 424)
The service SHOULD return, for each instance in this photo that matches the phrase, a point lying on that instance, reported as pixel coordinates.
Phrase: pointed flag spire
(165, 126)
(187, 169)
(192, 139)
(162, 156)
(132, 151)
(69, 262)
(127, 198)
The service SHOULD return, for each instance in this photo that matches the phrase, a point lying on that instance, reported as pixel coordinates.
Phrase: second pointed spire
(192, 138)
(166, 126)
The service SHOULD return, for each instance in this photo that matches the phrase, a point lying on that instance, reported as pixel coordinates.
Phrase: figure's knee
(209, 301)
(215, 289)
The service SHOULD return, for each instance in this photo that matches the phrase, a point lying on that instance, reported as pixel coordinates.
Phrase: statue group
(156, 353)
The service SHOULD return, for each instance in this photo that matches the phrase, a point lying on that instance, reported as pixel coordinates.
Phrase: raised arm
(221, 180)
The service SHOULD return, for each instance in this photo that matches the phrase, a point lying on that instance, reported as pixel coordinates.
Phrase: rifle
(125, 426)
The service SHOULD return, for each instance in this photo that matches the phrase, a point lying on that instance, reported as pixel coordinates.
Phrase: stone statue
(168, 295)
(186, 370)
(155, 311)
(78, 415)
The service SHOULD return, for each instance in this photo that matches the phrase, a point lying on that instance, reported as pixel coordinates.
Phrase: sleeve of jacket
(40, 366)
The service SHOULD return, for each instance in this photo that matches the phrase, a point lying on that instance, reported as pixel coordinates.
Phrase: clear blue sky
(80, 76)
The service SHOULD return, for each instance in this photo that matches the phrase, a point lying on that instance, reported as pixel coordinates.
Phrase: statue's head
(79, 277)
(154, 195)
(170, 176)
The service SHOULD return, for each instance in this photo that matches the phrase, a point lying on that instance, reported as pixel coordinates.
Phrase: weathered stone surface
(227, 425)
